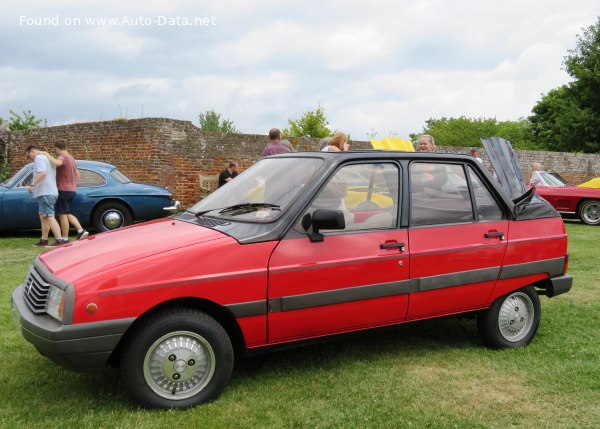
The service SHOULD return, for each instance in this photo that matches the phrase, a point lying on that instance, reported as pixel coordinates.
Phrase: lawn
(421, 375)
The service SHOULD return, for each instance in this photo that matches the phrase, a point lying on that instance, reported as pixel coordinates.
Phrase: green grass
(421, 375)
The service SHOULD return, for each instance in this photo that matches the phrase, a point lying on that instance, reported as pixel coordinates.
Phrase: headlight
(55, 304)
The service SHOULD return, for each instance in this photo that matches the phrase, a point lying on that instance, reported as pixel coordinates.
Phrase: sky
(374, 66)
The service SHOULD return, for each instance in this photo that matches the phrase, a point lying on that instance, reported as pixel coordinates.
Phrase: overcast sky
(372, 65)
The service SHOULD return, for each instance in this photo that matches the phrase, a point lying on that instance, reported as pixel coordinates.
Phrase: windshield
(10, 182)
(262, 192)
(543, 178)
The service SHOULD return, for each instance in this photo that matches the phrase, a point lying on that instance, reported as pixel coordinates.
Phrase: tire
(111, 215)
(589, 212)
(195, 369)
(512, 320)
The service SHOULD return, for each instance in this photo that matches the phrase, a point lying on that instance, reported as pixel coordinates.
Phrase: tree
(465, 131)
(568, 118)
(312, 124)
(25, 122)
(211, 121)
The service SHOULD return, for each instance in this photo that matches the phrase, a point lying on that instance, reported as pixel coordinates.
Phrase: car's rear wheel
(589, 212)
(111, 215)
(177, 359)
(512, 320)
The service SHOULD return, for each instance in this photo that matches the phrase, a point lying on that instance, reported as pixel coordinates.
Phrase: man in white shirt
(45, 191)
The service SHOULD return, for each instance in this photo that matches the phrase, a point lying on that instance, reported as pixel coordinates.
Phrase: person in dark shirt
(228, 174)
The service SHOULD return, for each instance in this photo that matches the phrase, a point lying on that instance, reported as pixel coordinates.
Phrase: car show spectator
(275, 147)
(67, 176)
(338, 143)
(44, 190)
(426, 143)
(474, 154)
(228, 174)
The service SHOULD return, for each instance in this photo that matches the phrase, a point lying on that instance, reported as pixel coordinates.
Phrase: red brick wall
(175, 153)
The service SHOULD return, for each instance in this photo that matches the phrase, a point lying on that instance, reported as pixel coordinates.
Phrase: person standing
(338, 143)
(473, 153)
(228, 174)
(66, 182)
(426, 143)
(44, 190)
(275, 147)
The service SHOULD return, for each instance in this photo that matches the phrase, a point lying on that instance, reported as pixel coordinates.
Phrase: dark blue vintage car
(106, 199)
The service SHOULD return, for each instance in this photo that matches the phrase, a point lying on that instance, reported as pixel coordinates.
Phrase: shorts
(46, 203)
(63, 204)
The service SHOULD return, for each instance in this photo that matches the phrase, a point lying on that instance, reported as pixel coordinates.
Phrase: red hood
(107, 250)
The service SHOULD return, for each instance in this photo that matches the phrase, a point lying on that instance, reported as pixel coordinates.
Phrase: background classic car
(568, 200)
(106, 199)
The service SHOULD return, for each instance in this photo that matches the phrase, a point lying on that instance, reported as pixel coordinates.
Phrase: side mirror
(322, 219)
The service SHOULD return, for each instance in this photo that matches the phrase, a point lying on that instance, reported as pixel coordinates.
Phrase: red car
(174, 301)
(568, 200)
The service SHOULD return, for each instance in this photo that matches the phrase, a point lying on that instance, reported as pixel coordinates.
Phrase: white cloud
(380, 64)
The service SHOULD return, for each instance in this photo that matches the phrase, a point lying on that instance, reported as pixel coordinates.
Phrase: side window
(367, 194)
(89, 178)
(439, 194)
(487, 208)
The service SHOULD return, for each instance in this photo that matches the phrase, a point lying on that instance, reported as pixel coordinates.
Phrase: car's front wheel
(111, 215)
(512, 320)
(177, 359)
(589, 212)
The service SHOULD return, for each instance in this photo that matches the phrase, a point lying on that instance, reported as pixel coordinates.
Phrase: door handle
(493, 234)
(392, 245)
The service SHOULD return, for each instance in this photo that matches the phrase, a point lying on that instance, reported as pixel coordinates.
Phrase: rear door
(458, 236)
(355, 278)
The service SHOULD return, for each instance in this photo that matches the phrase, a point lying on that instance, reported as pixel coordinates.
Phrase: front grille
(36, 291)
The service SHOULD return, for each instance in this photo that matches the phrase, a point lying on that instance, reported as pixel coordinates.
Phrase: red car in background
(174, 302)
(568, 200)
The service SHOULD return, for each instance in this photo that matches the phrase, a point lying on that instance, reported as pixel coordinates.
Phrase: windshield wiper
(245, 207)
(248, 207)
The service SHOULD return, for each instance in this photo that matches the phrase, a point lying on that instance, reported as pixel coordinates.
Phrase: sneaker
(41, 243)
(81, 235)
(58, 242)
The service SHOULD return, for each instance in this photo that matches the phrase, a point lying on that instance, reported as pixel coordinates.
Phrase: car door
(356, 277)
(458, 236)
(19, 208)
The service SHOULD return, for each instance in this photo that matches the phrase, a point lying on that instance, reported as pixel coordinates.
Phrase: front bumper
(174, 207)
(80, 347)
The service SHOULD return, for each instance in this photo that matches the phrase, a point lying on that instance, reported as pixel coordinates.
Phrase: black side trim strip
(247, 309)
(358, 293)
(554, 267)
(454, 279)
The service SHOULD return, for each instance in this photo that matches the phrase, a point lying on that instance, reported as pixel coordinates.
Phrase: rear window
(119, 177)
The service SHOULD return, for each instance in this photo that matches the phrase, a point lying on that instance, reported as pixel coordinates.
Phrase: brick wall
(176, 153)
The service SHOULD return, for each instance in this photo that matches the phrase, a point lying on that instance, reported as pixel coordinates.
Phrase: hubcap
(515, 318)
(592, 213)
(179, 365)
(112, 219)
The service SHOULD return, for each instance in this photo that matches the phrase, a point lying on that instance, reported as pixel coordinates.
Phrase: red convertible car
(570, 201)
(174, 302)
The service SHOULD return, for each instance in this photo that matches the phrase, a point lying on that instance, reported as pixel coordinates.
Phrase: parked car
(174, 301)
(106, 199)
(570, 201)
